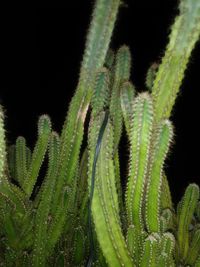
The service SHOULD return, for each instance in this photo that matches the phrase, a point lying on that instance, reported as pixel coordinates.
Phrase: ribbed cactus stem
(167, 245)
(44, 129)
(150, 250)
(105, 207)
(76, 217)
(140, 136)
(161, 142)
(135, 240)
(184, 34)
(121, 74)
(98, 38)
(42, 214)
(186, 212)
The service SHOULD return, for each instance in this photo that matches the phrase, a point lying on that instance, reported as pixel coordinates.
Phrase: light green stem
(184, 34)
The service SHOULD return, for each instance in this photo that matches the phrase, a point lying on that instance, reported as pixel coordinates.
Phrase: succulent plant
(79, 214)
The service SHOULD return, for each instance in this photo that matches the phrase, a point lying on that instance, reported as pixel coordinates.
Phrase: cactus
(187, 208)
(163, 136)
(184, 34)
(79, 214)
(140, 135)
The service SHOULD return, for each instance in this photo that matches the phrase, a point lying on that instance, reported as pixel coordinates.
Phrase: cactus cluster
(79, 214)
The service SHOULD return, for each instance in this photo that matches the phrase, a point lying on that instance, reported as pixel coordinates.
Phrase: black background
(41, 51)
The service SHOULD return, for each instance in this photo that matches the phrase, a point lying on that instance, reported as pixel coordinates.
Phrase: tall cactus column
(98, 39)
(184, 34)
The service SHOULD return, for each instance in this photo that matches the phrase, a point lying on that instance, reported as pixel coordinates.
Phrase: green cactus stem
(44, 129)
(184, 34)
(42, 214)
(150, 251)
(187, 208)
(98, 39)
(165, 258)
(161, 142)
(105, 207)
(21, 166)
(140, 136)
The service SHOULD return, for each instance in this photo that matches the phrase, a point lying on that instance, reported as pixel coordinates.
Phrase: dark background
(40, 58)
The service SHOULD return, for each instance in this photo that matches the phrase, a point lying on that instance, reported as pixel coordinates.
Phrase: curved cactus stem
(187, 208)
(105, 207)
(184, 34)
(44, 130)
(42, 214)
(161, 142)
(13, 194)
(140, 135)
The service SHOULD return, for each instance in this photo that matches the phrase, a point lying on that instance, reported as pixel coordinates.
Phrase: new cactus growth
(79, 214)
